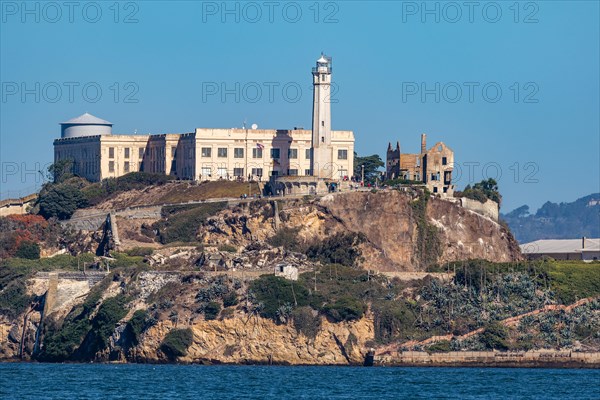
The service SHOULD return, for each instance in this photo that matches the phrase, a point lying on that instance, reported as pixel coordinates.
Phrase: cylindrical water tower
(85, 125)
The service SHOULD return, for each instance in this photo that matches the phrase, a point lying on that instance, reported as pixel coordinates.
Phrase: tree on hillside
(29, 250)
(482, 191)
(62, 199)
(61, 170)
(372, 164)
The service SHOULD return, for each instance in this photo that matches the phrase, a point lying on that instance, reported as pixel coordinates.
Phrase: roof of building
(86, 119)
(560, 246)
(322, 60)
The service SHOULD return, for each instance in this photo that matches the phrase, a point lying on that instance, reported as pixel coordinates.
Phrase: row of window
(127, 167)
(238, 152)
(141, 151)
(222, 172)
(126, 152)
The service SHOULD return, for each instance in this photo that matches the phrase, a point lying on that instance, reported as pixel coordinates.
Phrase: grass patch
(209, 190)
(572, 281)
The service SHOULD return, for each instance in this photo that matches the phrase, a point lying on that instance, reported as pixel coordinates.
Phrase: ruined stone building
(432, 167)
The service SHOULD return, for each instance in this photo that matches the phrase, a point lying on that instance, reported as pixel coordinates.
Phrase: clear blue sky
(382, 53)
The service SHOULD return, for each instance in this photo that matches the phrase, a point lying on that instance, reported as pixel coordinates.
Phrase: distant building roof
(86, 119)
(556, 246)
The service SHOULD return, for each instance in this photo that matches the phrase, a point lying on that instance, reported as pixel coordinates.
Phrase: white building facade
(215, 154)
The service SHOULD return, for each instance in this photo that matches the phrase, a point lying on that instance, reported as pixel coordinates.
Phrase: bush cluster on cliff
(68, 192)
(61, 200)
(176, 343)
(139, 322)
(23, 236)
(428, 244)
(181, 223)
(340, 248)
(482, 191)
(61, 341)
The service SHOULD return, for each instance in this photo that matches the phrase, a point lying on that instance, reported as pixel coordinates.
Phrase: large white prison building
(213, 154)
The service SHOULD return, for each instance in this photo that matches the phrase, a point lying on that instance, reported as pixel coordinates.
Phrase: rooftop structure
(563, 249)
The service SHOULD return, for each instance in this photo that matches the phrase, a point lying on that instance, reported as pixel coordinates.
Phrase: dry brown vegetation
(179, 192)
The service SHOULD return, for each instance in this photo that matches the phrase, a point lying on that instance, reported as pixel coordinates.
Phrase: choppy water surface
(106, 381)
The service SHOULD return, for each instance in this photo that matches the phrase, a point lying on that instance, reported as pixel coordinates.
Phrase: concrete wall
(92, 219)
(16, 206)
(13, 208)
(488, 209)
(492, 358)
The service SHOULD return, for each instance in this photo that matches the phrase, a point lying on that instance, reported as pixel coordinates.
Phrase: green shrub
(440, 347)
(137, 325)
(62, 341)
(60, 200)
(494, 336)
(345, 309)
(14, 299)
(429, 246)
(393, 319)
(176, 342)
(212, 310)
(306, 321)
(482, 191)
(63, 262)
(140, 251)
(180, 223)
(273, 292)
(574, 280)
(109, 314)
(337, 249)
(28, 250)
(123, 260)
(287, 238)
(227, 248)
(230, 299)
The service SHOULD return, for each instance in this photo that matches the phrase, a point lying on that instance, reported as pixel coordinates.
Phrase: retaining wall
(541, 358)
(488, 209)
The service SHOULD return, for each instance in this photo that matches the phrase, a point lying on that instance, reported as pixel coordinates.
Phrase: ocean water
(110, 381)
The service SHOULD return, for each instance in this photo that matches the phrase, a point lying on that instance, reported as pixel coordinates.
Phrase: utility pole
(362, 179)
(246, 158)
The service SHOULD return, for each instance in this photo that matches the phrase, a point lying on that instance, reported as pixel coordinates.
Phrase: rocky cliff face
(254, 340)
(387, 219)
(236, 337)
(401, 231)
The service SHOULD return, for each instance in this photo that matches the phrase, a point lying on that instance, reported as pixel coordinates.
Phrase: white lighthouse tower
(322, 152)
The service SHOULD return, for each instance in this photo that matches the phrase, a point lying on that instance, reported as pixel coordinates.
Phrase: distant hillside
(557, 221)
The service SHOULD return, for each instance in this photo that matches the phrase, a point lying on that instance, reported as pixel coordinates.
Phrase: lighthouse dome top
(322, 60)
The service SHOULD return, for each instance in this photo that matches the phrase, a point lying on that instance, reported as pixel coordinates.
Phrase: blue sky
(509, 89)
